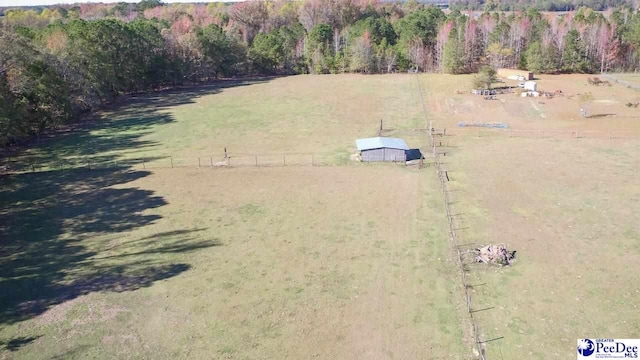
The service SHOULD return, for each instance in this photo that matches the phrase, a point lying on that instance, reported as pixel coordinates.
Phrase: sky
(4, 3)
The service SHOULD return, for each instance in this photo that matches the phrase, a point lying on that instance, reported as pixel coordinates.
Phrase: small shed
(382, 149)
(530, 86)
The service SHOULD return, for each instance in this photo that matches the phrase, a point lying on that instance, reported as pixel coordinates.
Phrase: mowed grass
(244, 263)
(571, 210)
(320, 115)
(327, 262)
(304, 262)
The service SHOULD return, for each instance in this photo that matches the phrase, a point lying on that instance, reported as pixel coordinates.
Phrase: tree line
(541, 5)
(61, 62)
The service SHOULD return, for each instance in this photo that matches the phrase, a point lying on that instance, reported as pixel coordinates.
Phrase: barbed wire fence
(544, 133)
(443, 178)
(628, 84)
(33, 165)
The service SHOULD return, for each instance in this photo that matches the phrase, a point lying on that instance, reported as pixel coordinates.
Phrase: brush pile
(495, 254)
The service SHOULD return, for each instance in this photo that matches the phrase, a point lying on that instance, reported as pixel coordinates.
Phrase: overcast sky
(53, 2)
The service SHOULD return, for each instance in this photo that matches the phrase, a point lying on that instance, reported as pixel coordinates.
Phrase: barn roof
(381, 142)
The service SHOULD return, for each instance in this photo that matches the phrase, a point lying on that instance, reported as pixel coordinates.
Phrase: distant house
(382, 149)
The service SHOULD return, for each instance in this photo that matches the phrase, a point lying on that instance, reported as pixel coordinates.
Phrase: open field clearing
(319, 115)
(323, 262)
(330, 262)
(627, 79)
(607, 105)
(299, 115)
(571, 208)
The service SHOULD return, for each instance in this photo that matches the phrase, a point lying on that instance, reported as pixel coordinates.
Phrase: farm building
(513, 74)
(382, 149)
(530, 86)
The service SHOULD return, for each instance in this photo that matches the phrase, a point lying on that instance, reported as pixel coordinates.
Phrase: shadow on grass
(598, 116)
(98, 137)
(16, 343)
(60, 238)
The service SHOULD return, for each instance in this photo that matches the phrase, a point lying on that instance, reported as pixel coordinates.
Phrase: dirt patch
(93, 310)
(58, 313)
(98, 311)
(558, 113)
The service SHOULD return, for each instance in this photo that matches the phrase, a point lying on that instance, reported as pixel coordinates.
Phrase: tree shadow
(598, 116)
(103, 136)
(16, 343)
(59, 239)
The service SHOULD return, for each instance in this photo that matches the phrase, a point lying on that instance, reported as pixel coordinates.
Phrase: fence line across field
(443, 178)
(543, 133)
(25, 165)
(629, 84)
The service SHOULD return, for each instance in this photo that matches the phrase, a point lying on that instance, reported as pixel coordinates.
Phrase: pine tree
(541, 59)
(454, 58)
(573, 57)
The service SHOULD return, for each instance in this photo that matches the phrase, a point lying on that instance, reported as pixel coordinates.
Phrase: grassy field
(632, 79)
(294, 115)
(568, 206)
(571, 210)
(332, 262)
(244, 263)
(239, 263)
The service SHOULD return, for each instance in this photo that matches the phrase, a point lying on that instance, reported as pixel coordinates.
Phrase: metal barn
(382, 149)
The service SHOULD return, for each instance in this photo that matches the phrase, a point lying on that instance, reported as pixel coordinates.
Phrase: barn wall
(383, 154)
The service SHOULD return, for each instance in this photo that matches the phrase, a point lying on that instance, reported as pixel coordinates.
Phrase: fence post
(143, 165)
(576, 134)
(198, 163)
(256, 158)
(211, 161)
(171, 158)
(284, 160)
(33, 166)
(115, 163)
